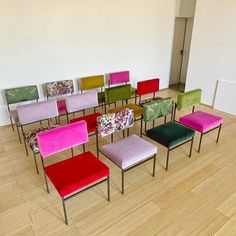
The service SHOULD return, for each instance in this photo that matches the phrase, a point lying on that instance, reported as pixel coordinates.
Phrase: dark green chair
(18, 95)
(171, 134)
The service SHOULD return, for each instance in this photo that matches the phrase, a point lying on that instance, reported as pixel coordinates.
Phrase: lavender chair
(32, 113)
(76, 174)
(127, 152)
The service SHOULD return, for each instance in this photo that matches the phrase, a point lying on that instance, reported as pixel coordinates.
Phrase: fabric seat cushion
(15, 117)
(75, 173)
(138, 111)
(61, 105)
(170, 134)
(201, 121)
(90, 119)
(129, 151)
(31, 139)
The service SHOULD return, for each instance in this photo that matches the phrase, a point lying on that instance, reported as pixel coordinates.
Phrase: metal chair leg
(36, 164)
(12, 125)
(200, 142)
(46, 181)
(26, 149)
(191, 147)
(154, 165)
(18, 132)
(122, 181)
(108, 188)
(83, 147)
(72, 152)
(64, 210)
(167, 159)
(218, 135)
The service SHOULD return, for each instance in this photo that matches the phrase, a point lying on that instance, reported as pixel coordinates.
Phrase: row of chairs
(83, 171)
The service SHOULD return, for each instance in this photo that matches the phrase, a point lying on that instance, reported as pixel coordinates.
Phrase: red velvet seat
(73, 174)
(91, 121)
(61, 105)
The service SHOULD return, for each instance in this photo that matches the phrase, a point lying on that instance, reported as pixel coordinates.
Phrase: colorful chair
(76, 174)
(80, 102)
(145, 87)
(18, 95)
(120, 93)
(122, 77)
(200, 121)
(127, 152)
(93, 82)
(59, 88)
(36, 112)
(171, 134)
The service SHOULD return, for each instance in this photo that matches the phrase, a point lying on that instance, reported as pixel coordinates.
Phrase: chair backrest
(62, 138)
(189, 99)
(37, 111)
(21, 94)
(91, 82)
(156, 109)
(118, 93)
(114, 122)
(58, 88)
(148, 86)
(81, 101)
(118, 77)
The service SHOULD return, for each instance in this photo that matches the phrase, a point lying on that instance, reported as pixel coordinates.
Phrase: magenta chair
(76, 174)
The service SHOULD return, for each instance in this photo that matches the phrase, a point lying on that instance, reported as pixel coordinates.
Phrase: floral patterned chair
(127, 152)
(171, 134)
(57, 89)
(16, 96)
(77, 173)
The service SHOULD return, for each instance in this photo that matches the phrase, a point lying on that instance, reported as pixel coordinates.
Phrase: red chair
(76, 174)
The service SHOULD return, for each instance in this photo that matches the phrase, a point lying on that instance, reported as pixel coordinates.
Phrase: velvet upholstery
(115, 122)
(189, 99)
(118, 93)
(129, 151)
(147, 86)
(91, 82)
(158, 108)
(62, 138)
(81, 101)
(21, 94)
(61, 106)
(170, 134)
(76, 173)
(58, 88)
(148, 100)
(201, 121)
(91, 121)
(37, 111)
(138, 111)
(119, 77)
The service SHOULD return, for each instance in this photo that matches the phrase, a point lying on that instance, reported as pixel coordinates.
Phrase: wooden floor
(197, 196)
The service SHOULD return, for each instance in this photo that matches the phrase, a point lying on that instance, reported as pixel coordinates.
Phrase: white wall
(213, 47)
(47, 40)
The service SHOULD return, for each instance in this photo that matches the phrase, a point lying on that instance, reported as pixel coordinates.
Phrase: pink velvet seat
(61, 105)
(201, 121)
(129, 151)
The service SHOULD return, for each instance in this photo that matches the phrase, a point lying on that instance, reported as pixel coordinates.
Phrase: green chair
(171, 134)
(16, 96)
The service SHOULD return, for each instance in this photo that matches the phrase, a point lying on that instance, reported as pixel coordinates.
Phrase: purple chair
(127, 152)
(36, 112)
(76, 174)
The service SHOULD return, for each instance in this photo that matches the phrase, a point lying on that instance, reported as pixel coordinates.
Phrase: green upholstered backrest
(158, 108)
(189, 99)
(91, 82)
(21, 94)
(118, 93)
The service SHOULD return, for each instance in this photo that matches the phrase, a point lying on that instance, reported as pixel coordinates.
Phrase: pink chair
(200, 121)
(35, 112)
(76, 174)
(150, 86)
(127, 152)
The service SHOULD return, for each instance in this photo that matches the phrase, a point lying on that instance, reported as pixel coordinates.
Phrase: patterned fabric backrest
(148, 86)
(189, 99)
(21, 94)
(158, 108)
(57, 88)
(81, 101)
(118, 93)
(62, 138)
(119, 77)
(91, 82)
(114, 122)
(37, 111)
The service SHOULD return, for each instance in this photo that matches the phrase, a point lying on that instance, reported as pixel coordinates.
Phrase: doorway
(180, 53)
